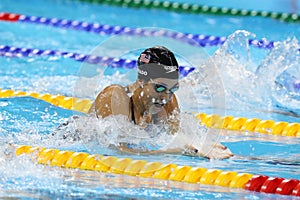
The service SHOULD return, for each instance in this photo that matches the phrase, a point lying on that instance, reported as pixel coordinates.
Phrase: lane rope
(70, 103)
(158, 170)
(197, 9)
(241, 124)
(10, 51)
(251, 125)
(101, 29)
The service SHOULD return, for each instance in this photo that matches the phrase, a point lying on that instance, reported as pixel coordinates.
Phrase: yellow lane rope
(158, 170)
(214, 121)
(71, 103)
(243, 124)
(128, 166)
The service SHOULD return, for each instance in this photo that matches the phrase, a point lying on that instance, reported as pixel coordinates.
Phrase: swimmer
(151, 99)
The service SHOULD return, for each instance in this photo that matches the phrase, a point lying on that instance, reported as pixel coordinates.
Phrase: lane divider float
(197, 9)
(70, 103)
(192, 39)
(114, 62)
(240, 124)
(158, 170)
(11, 51)
(252, 125)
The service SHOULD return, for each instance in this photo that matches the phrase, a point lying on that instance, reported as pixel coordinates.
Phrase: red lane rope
(273, 185)
(11, 17)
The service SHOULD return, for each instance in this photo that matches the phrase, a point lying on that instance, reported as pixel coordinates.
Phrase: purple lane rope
(10, 51)
(101, 29)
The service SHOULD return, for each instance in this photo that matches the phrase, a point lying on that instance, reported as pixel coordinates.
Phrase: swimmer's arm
(125, 148)
(188, 150)
(217, 152)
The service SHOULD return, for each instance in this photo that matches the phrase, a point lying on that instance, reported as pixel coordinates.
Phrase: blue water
(205, 24)
(26, 120)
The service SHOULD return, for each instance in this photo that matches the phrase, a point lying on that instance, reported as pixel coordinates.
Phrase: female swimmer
(151, 100)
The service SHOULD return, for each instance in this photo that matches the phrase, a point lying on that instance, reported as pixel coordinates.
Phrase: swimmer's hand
(217, 151)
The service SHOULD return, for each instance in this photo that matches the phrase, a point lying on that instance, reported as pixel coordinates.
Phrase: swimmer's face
(159, 91)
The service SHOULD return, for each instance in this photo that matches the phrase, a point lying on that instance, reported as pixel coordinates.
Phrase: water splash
(285, 74)
(248, 89)
(112, 131)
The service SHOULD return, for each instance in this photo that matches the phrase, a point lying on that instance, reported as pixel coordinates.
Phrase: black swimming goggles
(161, 88)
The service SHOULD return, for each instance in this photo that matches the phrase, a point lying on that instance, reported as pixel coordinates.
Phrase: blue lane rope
(10, 51)
(101, 29)
(193, 39)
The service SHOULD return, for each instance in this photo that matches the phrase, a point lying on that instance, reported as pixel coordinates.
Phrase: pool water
(258, 83)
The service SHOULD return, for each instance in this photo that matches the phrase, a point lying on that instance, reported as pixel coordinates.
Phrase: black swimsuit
(132, 111)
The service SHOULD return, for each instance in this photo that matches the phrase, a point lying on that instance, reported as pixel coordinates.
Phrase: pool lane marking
(11, 51)
(186, 8)
(113, 62)
(241, 124)
(192, 39)
(198, 9)
(70, 103)
(9, 17)
(158, 170)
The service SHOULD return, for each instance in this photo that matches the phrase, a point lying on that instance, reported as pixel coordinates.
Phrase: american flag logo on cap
(145, 58)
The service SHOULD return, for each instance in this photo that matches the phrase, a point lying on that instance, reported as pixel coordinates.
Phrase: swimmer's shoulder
(114, 88)
(111, 91)
(114, 100)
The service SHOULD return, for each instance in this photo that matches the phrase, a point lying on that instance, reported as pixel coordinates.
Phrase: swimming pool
(29, 121)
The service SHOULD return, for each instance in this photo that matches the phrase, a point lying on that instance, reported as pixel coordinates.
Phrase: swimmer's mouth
(159, 104)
